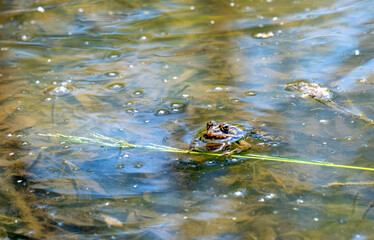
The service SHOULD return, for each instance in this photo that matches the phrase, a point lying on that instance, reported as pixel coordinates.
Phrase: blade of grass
(102, 140)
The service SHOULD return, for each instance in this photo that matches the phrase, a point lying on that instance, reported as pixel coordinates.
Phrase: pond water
(155, 72)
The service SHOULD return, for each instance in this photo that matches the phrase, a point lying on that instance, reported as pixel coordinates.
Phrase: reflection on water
(154, 72)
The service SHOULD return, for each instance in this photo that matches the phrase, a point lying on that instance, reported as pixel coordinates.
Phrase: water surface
(155, 72)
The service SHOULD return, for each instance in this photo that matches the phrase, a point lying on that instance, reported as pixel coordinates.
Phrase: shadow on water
(155, 72)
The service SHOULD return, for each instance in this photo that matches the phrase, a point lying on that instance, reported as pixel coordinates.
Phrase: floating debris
(111, 221)
(312, 90)
(324, 95)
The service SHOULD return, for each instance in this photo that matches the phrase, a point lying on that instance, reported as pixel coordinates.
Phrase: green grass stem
(101, 140)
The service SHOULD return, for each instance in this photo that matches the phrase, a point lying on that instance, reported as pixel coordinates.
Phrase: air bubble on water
(139, 165)
(24, 143)
(264, 35)
(113, 55)
(323, 121)
(137, 93)
(238, 193)
(143, 38)
(176, 105)
(40, 9)
(161, 112)
(348, 138)
(235, 101)
(24, 37)
(269, 196)
(275, 19)
(248, 9)
(357, 52)
(116, 86)
(131, 111)
(177, 110)
(219, 89)
(299, 201)
(250, 93)
(80, 10)
(112, 74)
(47, 99)
(232, 4)
(315, 219)
(58, 90)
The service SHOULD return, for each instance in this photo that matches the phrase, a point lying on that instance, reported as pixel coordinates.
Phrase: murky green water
(154, 72)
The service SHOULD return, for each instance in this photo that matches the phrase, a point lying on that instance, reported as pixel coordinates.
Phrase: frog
(225, 138)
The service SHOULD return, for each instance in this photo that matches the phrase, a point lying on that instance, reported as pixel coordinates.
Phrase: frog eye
(210, 124)
(224, 127)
